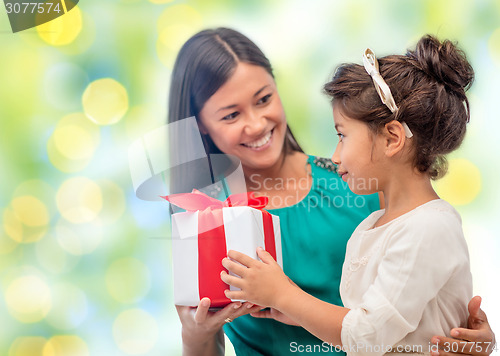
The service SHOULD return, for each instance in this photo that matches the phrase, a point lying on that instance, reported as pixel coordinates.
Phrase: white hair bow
(371, 65)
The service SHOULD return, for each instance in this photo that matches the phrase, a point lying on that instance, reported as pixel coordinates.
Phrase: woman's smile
(261, 143)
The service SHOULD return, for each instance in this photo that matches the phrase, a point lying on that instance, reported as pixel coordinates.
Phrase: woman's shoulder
(323, 164)
(330, 187)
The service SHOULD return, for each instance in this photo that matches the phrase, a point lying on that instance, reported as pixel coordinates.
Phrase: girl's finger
(234, 267)
(231, 280)
(235, 294)
(241, 258)
(265, 256)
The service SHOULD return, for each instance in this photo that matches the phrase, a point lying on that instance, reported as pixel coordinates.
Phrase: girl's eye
(264, 99)
(231, 116)
(341, 136)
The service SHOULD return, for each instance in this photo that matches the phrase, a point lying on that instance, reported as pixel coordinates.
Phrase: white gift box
(243, 232)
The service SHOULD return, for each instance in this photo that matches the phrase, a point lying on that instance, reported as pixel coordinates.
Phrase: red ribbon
(200, 201)
(212, 238)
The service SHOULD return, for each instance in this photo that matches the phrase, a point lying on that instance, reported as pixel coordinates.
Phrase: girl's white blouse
(405, 281)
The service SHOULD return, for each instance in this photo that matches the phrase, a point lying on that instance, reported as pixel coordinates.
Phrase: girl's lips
(343, 175)
(261, 143)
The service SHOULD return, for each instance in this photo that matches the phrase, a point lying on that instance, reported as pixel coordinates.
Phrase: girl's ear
(395, 138)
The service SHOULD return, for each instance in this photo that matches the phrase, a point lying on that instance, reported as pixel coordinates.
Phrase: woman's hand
(202, 329)
(275, 314)
(478, 339)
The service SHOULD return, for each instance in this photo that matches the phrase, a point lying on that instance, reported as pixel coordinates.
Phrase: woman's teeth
(260, 142)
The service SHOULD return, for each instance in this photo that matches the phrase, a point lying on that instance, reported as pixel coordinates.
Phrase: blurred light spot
(113, 202)
(67, 140)
(28, 299)
(63, 163)
(27, 346)
(19, 232)
(79, 200)
(178, 14)
(494, 46)
(73, 143)
(135, 332)
(53, 257)
(63, 84)
(128, 280)
(12, 225)
(62, 30)
(40, 190)
(71, 308)
(7, 245)
(462, 184)
(105, 101)
(176, 25)
(30, 211)
(170, 41)
(64, 345)
(78, 239)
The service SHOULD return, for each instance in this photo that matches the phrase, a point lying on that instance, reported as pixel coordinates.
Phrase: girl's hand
(478, 339)
(275, 314)
(261, 283)
(202, 329)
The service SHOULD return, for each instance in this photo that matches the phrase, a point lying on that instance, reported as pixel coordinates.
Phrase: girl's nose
(336, 155)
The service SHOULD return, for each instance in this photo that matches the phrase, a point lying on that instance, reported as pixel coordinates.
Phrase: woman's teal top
(314, 234)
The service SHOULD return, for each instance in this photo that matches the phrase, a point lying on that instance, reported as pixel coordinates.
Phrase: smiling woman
(251, 122)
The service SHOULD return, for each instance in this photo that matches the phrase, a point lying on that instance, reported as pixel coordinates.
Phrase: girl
(406, 273)
(225, 81)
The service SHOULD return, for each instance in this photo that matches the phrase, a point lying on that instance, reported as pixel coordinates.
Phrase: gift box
(203, 234)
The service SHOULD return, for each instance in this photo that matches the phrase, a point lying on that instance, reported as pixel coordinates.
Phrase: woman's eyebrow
(226, 107)
(260, 90)
(234, 105)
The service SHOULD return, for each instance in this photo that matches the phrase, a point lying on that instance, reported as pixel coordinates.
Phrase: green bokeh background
(106, 279)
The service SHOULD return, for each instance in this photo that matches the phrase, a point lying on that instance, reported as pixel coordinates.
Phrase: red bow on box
(211, 236)
(200, 201)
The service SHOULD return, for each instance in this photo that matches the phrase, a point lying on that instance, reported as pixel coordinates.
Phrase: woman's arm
(478, 339)
(202, 333)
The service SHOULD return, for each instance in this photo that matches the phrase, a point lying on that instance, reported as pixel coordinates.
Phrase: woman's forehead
(247, 81)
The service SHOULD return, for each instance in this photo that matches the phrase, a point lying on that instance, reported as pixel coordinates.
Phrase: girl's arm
(393, 304)
(265, 284)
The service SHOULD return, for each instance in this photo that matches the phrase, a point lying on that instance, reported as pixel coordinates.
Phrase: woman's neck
(285, 183)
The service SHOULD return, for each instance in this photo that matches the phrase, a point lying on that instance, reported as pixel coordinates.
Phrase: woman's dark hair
(428, 85)
(204, 63)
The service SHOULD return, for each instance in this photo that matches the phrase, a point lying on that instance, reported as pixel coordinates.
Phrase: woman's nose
(255, 123)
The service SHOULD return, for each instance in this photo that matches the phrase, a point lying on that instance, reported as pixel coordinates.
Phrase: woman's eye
(264, 99)
(231, 116)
